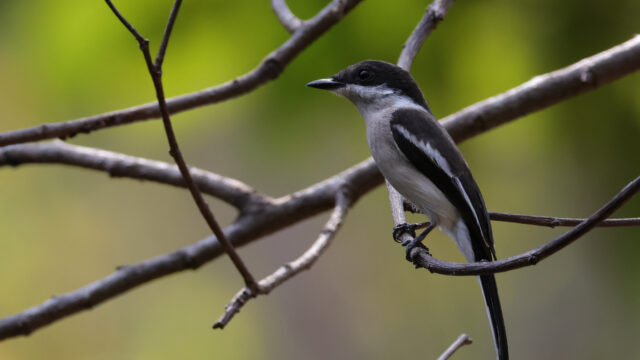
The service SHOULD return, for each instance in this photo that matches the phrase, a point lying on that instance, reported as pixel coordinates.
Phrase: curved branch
(421, 257)
(295, 267)
(285, 16)
(268, 69)
(434, 15)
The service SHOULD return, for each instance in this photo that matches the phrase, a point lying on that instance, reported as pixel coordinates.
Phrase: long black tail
(491, 299)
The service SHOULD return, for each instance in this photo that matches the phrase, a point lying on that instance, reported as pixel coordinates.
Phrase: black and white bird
(420, 160)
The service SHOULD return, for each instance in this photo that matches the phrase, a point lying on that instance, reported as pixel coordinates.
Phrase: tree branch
(421, 257)
(232, 191)
(268, 69)
(293, 268)
(461, 341)
(285, 16)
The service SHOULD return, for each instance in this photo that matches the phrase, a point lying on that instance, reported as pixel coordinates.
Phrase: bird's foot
(412, 244)
(402, 229)
(406, 228)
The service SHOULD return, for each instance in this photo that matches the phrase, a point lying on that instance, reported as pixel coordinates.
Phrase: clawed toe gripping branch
(405, 228)
(260, 214)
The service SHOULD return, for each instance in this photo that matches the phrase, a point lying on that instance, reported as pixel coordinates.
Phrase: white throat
(373, 101)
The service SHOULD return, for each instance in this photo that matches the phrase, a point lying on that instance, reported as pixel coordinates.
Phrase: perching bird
(420, 160)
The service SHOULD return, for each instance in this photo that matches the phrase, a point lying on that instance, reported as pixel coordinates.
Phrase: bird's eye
(365, 74)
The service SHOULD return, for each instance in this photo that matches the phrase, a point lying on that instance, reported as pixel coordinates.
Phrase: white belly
(409, 182)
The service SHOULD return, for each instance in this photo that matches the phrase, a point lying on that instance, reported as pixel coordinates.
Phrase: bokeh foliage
(64, 227)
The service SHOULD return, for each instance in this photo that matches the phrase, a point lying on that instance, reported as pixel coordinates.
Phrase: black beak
(326, 84)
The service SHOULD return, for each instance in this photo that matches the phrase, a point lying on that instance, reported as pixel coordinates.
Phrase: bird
(418, 157)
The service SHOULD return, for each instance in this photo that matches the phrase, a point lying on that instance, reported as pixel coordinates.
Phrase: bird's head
(373, 83)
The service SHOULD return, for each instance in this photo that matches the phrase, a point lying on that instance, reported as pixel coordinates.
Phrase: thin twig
(287, 18)
(433, 16)
(555, 221)
(167, 34)
(291, 269)
(461, 341)
(156, 76)
(421, 257)
(268, 69)
(547, 221)
(126, 23)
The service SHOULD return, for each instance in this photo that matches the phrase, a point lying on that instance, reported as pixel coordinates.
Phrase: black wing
(428, 146)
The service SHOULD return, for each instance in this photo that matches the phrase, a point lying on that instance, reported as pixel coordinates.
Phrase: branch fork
(290, 22)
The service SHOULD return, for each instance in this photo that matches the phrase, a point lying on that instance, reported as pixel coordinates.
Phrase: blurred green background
(63, 227)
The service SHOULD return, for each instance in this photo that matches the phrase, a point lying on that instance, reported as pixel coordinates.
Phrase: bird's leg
(410, 229)
(417, 241)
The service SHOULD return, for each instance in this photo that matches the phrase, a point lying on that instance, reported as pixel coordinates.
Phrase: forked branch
(155, 70)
